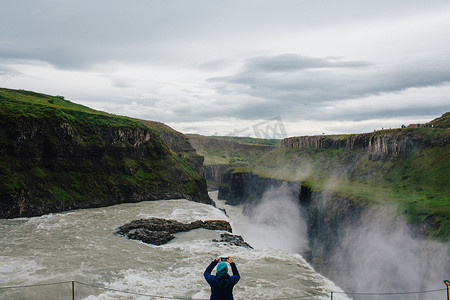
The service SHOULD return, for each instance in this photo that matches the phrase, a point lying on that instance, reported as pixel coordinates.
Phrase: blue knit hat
(222, 268)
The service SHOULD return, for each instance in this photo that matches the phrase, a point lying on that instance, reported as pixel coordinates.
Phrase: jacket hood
(223, 280)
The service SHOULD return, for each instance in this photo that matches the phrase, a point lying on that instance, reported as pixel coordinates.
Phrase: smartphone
(224, 259)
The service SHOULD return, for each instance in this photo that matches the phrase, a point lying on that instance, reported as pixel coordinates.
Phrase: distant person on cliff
(222, 283)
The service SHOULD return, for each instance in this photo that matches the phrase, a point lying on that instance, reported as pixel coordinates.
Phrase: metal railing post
(447, 283)
(73, 290)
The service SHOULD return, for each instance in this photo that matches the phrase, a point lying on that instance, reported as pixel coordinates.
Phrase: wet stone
(157, 231)
(235, 240)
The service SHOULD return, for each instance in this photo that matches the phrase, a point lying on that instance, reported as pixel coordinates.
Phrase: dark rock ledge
(235, 240)
(157, 231)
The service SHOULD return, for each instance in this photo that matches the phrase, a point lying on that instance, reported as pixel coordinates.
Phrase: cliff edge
(378, 144)
(56, 155)
(223, 153)
(406, 168)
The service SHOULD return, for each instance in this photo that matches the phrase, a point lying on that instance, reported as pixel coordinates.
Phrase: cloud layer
(208, 66)
(296, 84)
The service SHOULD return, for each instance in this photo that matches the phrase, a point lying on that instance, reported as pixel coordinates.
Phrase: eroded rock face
(377, 144)
(235, 240)
(150, 237)
(65, 164)
(247, 188)
(157, 231)
(172, 226)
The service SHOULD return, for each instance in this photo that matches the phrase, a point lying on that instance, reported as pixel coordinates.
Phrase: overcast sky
(259, 68)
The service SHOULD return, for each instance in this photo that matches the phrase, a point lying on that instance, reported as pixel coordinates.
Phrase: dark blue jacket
(221, 285)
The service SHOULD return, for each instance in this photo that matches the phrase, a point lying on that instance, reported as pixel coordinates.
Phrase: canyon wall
(215, 172)
(223, 153)
(377, 144)
(247, 188)
(372, 204)
(333, 223)
(57, 156)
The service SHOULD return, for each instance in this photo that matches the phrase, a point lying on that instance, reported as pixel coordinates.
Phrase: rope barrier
(178, 298)
(285, 298)
(133, 293)
(33, 285)
(393, 293)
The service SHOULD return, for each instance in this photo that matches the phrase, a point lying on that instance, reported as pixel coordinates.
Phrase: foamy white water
(80, 245)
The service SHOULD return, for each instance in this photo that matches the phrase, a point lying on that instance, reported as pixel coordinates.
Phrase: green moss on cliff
(417, 182)
(57, 155)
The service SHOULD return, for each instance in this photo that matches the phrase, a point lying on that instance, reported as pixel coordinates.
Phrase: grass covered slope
(416, 182)
(222, 153)
(230, 150)
(56, 155)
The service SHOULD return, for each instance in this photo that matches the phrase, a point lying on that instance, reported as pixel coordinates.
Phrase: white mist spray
(380, 254)
(276, 222)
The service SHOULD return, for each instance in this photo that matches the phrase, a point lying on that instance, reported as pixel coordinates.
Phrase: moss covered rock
(56, 155)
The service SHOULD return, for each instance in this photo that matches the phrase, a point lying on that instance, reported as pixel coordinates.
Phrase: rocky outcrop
(214, 175)
(179, 143)
(377, 144)
(328, 216)
(247, 188)
(234, 240)
(158, 231)
(40, 140)
(215, 172)
(57, 156)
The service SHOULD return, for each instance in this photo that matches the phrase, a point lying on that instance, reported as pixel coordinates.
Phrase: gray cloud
(295, 59)
(7, 72)
(78, 34)
(385, 112)
(294, 62)
(119, 81)
(291, 83)
(214, 65)
(74, 34)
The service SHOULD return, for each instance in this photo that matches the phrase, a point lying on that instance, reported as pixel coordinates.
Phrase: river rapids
(81, 246)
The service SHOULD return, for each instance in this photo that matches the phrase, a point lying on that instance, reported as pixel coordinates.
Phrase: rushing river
(81, 246)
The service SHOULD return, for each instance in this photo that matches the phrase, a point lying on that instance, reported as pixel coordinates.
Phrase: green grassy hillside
(32, 105)
(232, 151)
(441, 122)
(57, 155)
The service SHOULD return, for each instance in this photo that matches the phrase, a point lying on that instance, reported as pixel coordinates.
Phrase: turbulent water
(81, 246)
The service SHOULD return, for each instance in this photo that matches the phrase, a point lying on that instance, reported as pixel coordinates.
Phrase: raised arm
(211, 267)
(234, 269)
(207, 274)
